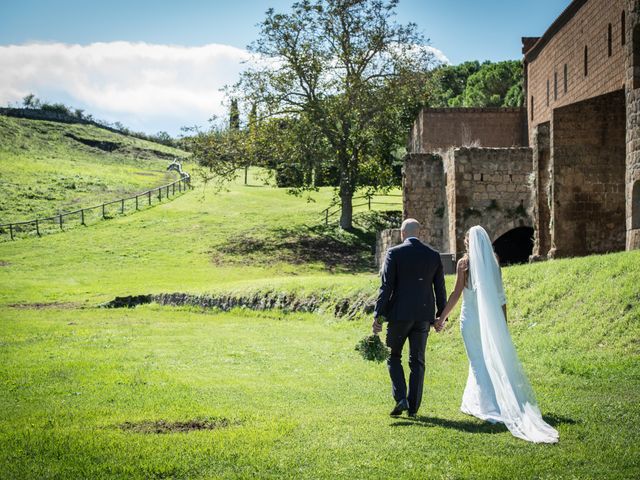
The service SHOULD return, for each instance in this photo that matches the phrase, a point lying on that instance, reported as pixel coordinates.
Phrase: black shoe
(400, 407)
(411, 414)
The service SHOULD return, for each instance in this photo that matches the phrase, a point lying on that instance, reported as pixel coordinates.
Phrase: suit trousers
(397, 334)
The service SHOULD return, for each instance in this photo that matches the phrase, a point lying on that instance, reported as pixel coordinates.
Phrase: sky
(159, 65)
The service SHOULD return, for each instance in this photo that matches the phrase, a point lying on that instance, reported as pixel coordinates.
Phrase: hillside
(47, 167)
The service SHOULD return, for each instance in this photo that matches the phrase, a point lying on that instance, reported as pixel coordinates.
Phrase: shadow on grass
(339, 250)
(475, 426)
(470, 426)
(555, 420)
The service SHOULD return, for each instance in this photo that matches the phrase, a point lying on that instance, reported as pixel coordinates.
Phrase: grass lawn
(83, 389)
(291, 400)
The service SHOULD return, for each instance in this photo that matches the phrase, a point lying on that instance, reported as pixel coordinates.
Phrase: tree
(234, 115)
(447, 83)
(223, 150)
(472, 84)
(31, 101)
(344, 67)
(491, 85)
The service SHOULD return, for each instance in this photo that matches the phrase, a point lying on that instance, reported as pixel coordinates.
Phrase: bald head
(410, 228)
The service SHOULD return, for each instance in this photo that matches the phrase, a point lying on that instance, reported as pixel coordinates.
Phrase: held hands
(439, 325)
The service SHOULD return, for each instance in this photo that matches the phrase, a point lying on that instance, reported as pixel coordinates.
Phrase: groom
(411, 274)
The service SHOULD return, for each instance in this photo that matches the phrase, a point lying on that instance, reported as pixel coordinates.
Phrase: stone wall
(542, 190)
(442, 128)
(390, 238)
(462, 187)
(588, 171)
(632, 176)
(423, 186)
(491, 188)
(384, 241)
(584, 24)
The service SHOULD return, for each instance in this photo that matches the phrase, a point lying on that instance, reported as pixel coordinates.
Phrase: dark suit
(411, 274)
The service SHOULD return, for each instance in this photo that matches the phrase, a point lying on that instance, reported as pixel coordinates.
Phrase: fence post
(369, 203)
(37, 227)
(136, 202)
(11, 230)
(174, 188)
(160, 194)
(103, 212)
(326, 217)
(122, 207)
(167, 191)
(180, 185)
(82, 216)
(149, 192)
(60, 221)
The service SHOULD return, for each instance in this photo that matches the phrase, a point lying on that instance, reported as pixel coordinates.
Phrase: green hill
(47, 167)
(186, 392)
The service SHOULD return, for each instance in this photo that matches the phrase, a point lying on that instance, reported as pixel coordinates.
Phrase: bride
(497, 388)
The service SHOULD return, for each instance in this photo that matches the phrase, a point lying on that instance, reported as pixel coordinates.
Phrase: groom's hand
(439, 325)
(376, 327)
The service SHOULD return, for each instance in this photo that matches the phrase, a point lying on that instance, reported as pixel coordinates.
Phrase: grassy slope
(187, 244)
(44, 171)
(307, 406)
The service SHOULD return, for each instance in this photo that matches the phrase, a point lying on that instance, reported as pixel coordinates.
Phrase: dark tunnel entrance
(515, 246)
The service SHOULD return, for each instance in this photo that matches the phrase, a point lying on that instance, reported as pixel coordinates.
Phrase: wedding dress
(497, 388)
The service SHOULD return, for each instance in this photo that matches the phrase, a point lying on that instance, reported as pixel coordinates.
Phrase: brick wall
(441, 128)
(588, 26)
(588, 171)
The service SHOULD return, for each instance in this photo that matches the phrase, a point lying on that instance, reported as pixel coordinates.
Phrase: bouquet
(371, 348)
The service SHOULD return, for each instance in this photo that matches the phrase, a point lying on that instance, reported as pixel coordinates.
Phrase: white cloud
(145, 86)
(438, 54)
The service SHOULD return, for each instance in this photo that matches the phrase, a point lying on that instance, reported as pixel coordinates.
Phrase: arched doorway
(515, 246)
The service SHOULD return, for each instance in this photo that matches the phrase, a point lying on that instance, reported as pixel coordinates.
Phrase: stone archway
(514, 246)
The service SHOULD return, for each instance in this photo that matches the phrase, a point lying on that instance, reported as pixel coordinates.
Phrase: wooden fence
(39, 226)
(369, 200)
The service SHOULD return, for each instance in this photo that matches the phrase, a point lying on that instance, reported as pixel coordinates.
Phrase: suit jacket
(412, 273)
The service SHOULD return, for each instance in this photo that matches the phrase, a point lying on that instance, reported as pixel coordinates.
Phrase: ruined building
(559, 177)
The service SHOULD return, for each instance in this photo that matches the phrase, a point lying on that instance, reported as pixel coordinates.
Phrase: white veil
(518, 407)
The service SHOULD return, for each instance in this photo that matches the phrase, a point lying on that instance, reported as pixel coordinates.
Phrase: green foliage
(234, 115)
(371, 348)
(472, 84)
(446, 83)
(350, 72)
(60, 108)
(490, 85)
